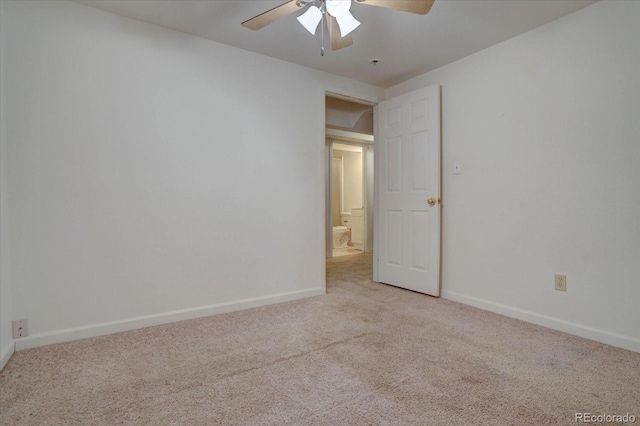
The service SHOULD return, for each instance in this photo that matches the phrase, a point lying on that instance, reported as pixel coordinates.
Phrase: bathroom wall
(352, 182)
(336, 190)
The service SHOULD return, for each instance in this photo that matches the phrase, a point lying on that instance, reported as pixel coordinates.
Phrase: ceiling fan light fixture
(310, 19)
(340, 22)
(347, 23)
(338, 7)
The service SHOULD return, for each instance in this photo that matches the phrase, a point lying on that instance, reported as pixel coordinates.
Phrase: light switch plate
(457, 167)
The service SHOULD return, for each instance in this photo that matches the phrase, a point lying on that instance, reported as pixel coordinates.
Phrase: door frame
(367, 187)
(325, 147)
(338, 93)
(332, 170)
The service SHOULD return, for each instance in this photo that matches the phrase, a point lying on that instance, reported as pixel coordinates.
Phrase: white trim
(347, 95)
(111, 327)
(6, 353)
(328, 204)
(349, 135)
(376, 190)
(324, 145)
(602, 336)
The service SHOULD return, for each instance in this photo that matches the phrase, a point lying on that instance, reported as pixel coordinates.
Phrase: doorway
(409, 184)
(348, 209)
(349, 177)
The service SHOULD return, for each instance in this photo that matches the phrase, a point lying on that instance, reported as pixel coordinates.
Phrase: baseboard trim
(6, 353)
(111, 327)
(602, 336)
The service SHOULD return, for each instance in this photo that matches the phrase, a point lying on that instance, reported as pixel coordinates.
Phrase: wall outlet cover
(561, 282)
(20, 328)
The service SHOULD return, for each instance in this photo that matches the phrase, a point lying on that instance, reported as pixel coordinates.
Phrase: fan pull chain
(322, 30)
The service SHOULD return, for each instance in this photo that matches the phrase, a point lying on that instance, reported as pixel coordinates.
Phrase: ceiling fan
(340, 22)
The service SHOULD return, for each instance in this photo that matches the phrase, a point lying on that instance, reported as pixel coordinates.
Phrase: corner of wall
(603, 336)
(6, 352)
(7, 344)
(101, 329)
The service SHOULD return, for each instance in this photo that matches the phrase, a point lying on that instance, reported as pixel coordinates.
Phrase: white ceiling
(407, 44)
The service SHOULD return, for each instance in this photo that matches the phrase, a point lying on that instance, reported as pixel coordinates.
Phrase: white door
(408, 191)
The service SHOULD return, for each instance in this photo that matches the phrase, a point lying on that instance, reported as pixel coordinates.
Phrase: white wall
(352, 183)
(6, 300)
(135, 190)
(547, 128)
(151, 173)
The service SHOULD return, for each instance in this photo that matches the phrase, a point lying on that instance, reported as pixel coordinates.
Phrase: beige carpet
(365, 354)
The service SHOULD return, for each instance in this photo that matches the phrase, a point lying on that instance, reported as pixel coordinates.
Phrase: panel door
(408, 191)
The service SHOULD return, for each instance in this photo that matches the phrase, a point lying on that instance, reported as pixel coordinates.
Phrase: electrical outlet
(561, 282)
(20, 328)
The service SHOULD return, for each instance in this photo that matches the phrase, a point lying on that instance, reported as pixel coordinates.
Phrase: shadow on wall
(349, 115)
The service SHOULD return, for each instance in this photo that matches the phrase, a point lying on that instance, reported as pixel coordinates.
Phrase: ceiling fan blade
(272, 15)
(337, 42)
(421, 7)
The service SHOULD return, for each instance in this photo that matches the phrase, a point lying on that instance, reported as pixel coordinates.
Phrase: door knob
(432, 201)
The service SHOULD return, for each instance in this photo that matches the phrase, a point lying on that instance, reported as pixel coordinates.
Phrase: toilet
(341, 236)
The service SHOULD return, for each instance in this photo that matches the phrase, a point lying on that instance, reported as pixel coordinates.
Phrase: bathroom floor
(347, 251)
